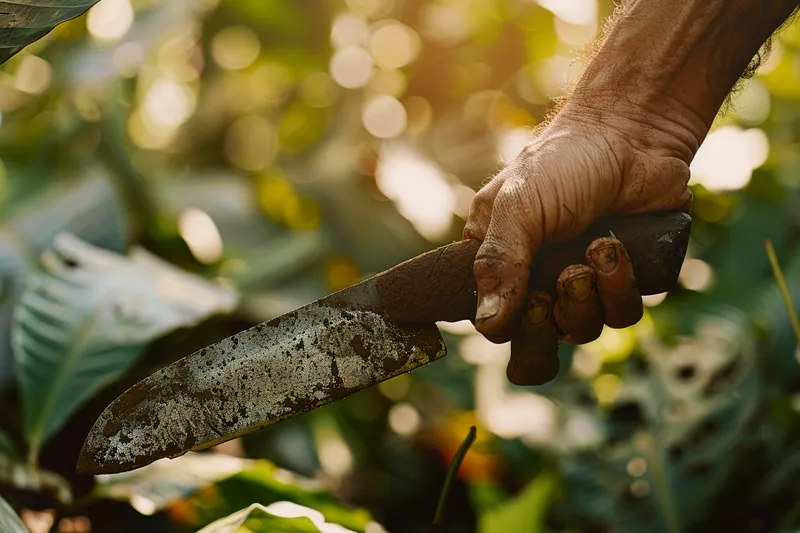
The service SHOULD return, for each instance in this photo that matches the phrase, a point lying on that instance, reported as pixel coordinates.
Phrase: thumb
(502, 269)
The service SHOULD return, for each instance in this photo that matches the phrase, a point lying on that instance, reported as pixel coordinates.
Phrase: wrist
(665, 68)
(658, 129)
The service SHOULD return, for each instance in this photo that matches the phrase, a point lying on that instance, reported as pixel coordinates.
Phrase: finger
(501, 266)
(579, 313)
(480, 211)
(616, 283)
(534, 345)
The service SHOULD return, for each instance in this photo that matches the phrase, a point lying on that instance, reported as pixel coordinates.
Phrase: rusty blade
(294, 363)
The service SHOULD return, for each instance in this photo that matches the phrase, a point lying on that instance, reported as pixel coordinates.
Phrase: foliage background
(285, 149)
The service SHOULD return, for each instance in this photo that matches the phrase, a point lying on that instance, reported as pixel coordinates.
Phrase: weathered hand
(577, 169)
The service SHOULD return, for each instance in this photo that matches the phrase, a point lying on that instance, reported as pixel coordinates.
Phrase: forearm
(677, 60)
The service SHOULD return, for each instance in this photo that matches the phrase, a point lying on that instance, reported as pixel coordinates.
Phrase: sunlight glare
(349, 29)
(109, 20)
(404, 419)
(728, 156)
(286, 509)
(351, 67)
(235, 48)
(511, 142)
(33, 75)
(418, 188)
(201, 235)
(335, 457)
(393, 44)
(696, 275)
(169, 102)
(573, 11)
(652, 300)
(384, 117)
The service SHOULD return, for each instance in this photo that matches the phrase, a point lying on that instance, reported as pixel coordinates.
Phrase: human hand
(578, 168)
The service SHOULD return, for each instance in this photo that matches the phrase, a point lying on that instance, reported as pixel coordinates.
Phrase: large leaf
(264, 483)
(672, 437)
(9, 521)
(25, 21)
(87, 318)
(87, 208)
(157, 485)
(281, 517)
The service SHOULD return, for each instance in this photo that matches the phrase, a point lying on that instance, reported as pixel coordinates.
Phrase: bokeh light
(109, 20)
(728, 156)
(696, 275)
(371, 8)
(251, 143)
(582, 12)
(169, 102)
(201, 235)
(384, 117)
(419, 189)
(235, 48)
(349, 29)
(351, 67)
(33, 75)
(393, 44)
(404, 419)
(335, 457)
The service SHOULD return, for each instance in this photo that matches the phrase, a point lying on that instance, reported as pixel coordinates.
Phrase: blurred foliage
(159, 158)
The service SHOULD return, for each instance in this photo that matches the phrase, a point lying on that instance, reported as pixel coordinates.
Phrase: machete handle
(440, 286)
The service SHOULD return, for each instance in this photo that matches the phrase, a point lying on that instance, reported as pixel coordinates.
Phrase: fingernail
(488, 307)
(538, 312)
(580, 287)
(605, 258)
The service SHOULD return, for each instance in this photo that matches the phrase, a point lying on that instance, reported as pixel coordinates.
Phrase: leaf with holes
(9, 521)
(675, 434)
(87, 317)
(24, 22)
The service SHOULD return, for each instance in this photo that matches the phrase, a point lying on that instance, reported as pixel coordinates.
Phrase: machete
(348, 341)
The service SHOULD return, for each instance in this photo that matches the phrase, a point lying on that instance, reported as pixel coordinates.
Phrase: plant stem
(451, 474)
(787, 298)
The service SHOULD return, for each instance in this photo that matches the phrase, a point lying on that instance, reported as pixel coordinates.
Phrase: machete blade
(309, 357)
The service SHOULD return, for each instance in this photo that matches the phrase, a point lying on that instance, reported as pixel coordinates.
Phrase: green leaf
(264, 483)
(16, 473)
(155, 486)
(526, 512)
(260, 519)
(23, 22)
(88, 317)
(673, 435)
(9, 521)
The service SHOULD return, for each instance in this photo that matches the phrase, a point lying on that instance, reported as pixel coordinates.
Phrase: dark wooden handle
(440, 286)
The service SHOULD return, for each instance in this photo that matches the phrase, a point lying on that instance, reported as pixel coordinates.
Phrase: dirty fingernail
(605, 258)
(538, 312)
(488, 307)
(580, 287)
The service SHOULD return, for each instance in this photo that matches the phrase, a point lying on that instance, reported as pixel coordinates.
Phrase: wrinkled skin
(578, 168)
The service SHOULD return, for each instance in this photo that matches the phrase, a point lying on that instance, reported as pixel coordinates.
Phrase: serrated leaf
(25, 21)
(156, 486)
(84, 320)
(280, 517)
(9, 521)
